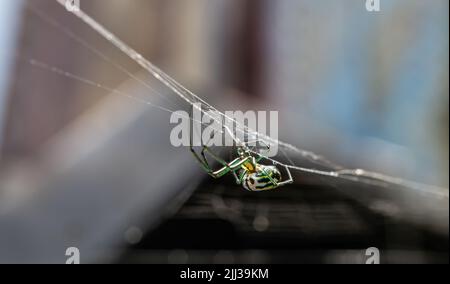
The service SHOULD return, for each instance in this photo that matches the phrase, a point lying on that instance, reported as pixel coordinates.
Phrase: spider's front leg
(232, 166)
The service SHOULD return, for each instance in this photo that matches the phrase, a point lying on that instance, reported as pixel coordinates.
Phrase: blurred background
(81, 166)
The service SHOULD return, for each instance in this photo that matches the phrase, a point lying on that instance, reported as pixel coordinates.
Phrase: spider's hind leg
(290, 178)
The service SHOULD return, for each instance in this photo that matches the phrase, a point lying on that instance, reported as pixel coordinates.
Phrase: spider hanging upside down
(246, 169)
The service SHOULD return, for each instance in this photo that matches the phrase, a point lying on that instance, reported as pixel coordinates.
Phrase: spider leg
(260, 141)
(202, 162)
(216, 174)
(238, 181)
(232, 166)
(276, 184)
(240, 178)
(201, 159)
(259, 154)
(289, 180)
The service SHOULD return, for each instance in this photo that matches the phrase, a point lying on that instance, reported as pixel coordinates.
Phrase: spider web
(319, 165)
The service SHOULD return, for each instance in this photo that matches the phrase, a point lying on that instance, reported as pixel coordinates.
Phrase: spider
(246, 169)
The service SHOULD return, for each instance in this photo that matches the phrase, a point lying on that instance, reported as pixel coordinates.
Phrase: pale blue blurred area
(376, 79)
(9, 23)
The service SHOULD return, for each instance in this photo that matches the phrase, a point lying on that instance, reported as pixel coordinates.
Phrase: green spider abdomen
(262, 179)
